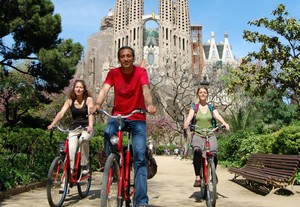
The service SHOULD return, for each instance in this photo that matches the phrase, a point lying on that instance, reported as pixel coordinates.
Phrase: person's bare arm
(90, 104)
(220, 119)
(61, 113)
(101, 97)
(189, 118)
(148, 99)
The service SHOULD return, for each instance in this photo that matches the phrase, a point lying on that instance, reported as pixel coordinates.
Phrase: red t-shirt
(128, 91)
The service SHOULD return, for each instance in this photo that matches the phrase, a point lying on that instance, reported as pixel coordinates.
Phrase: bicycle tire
(211, 195)
(203, 186)
(57, 177)
(129, 203)
(84, 185)
(110, 182)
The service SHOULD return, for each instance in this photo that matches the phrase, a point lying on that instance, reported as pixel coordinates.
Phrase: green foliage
(275, 111)
(297, 179)
(161, 149)
(27, 154)
(245, 118)
(49, 111)
(34, 31)
(235, 148)
(17, 95)
(97, 147)
(229, 145)
(277, 63)
(59, 63)
(97, 152)
(287, 140)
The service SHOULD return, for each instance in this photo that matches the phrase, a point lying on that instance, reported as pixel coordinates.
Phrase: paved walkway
(172, 186)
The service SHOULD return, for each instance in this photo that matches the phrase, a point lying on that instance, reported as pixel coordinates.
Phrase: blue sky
(82, 18)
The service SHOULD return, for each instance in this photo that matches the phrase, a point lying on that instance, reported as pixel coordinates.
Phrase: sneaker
(85, 169)
(197, 183)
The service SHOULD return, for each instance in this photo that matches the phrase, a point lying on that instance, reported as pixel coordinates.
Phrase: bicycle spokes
(211, 187)
(110, 183)
(57, 182)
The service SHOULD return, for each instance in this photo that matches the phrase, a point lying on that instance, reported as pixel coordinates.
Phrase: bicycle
(208, 189)
(118, 175)
(60, 178)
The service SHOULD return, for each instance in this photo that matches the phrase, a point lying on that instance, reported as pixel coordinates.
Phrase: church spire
(227, 53)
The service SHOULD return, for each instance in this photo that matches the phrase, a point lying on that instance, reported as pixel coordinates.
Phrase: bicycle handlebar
(67, 130)
(208, 130)
(119, 116)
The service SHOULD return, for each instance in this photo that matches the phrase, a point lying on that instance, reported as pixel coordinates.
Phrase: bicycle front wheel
(57, 182)
(211, 194)
(84, 184)
(203, 186)
(130, 187)
(110, 182)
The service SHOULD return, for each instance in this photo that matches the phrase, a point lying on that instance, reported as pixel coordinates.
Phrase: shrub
(26, 154)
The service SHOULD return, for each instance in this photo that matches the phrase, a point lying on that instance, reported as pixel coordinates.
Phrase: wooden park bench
(272, 170)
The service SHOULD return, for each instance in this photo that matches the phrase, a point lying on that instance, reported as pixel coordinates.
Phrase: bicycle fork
(127, 194)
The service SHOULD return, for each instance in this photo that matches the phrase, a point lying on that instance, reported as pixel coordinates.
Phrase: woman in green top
(204, 118)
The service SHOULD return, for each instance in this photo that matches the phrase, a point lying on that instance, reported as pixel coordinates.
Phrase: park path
(172, 186)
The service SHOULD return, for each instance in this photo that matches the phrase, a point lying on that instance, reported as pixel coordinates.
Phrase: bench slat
(269, 169)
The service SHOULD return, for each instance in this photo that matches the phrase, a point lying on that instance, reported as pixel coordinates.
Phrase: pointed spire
(227, 52)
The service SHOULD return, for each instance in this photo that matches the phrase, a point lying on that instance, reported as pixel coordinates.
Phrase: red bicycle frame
(123, 190)
(207, 154)
(73, 178)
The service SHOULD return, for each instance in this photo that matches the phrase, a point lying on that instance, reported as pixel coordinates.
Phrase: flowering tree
(162, 130)
(17, 95)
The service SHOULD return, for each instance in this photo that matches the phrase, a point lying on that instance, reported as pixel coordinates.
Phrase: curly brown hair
(86, 92)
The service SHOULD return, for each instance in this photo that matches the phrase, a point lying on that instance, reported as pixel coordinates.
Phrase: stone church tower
(158, 49)
(172, 52)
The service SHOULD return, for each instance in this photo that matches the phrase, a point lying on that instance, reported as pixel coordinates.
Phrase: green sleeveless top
(204, 120)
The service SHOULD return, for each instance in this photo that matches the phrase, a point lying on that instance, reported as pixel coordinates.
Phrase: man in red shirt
(131, 91)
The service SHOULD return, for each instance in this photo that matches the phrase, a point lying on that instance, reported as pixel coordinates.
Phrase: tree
(277, 63)
(29, 32)
(173, 92)
(17, 96)
(161, 130)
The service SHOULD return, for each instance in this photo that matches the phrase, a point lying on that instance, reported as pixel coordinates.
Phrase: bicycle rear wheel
(110, 182)
(57, 182)
(211, 195)
(84, 184)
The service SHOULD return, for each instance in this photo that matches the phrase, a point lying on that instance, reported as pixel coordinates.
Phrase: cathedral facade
(125, 25)
(174, 45)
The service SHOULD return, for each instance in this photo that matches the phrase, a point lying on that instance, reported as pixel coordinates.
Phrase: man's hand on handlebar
(151, 109)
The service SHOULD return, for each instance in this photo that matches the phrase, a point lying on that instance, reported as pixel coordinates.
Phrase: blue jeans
(138, 130)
